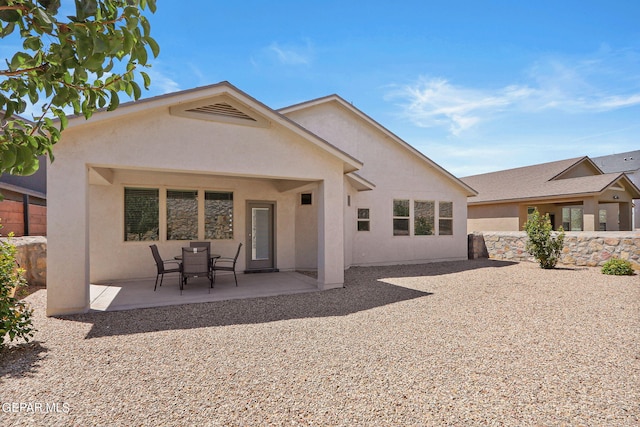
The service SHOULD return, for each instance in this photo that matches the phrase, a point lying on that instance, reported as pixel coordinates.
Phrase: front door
(260, 229)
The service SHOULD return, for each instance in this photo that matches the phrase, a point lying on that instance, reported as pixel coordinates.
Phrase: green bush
(617, 267)
(544, 247)
(15, 315)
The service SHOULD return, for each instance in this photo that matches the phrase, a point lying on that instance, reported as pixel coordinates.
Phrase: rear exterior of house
(316, 186)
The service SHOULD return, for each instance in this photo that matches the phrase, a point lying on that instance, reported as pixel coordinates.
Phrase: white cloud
(604, 82)
(291, 55)
(437, 102)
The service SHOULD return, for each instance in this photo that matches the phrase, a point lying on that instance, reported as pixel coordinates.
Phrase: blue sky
(475, 85)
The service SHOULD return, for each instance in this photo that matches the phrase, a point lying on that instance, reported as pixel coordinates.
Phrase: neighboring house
(575, 193)
(629, 163)
(23, 205)
(318, 185)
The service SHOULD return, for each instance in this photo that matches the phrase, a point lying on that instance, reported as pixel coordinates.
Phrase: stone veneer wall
(590, 249)
(32, 256)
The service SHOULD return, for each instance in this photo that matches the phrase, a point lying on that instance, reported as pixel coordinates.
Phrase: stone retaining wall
(590, 249)
(32, 256)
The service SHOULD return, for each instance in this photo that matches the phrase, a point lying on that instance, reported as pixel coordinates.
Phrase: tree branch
(10, 73)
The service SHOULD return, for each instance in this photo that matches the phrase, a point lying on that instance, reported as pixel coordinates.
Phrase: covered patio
(133, 294)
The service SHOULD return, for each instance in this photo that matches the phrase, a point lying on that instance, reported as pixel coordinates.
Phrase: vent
(222, 109)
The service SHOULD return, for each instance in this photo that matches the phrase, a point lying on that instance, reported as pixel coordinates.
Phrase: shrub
(15, 315)
(544, 247)
(617, 267)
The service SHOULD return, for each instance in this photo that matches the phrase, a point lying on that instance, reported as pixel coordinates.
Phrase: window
(364, 223)
(602, 216)
(305, 199)
(445, 221)
(572, 218)
(218, 215)
(401, 217)
(424, 217)
(141, 214)
(530, 211)
(182, 214)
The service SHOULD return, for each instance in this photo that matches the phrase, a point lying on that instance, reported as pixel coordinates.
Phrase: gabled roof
(544, 181)
(337, 99)
(220, 102)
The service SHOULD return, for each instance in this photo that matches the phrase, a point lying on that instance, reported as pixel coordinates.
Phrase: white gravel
(468, 343)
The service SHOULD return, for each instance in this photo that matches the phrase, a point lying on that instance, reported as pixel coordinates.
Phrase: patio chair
(202, 245)
(195, 263)
(229, 264)
(161, 265)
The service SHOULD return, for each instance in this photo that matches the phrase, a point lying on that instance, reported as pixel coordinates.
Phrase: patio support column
(67, 238)
(590, 214)
(330, 233)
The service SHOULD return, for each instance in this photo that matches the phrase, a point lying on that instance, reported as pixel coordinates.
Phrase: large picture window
(424, 218)
(400, 217)
(182, 214)
(141, 214)
(218, 215)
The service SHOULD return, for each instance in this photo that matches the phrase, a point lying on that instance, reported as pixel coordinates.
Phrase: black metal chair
(229, 264)
(195, 263)
(161, 265)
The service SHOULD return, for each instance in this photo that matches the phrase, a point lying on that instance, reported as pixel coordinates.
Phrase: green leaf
(115, 101)
(141, 54)
(136, 90)
(85, 9)
(146, 28)
(7, 29)
(32, 43)
(18, 60)
(45, 21)
(146, 78)
(9, 16)
(155, 48)
(8, 156)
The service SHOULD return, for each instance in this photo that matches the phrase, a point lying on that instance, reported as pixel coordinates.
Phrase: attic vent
(222, 109)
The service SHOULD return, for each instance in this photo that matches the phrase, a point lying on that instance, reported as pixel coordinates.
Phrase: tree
(15, 315)
(544, 247)
(84, 63)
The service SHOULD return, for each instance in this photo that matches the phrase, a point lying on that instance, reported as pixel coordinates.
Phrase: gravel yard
(462, 343)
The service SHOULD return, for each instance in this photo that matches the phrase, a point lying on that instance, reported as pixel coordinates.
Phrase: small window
(182, 214)
(400, 217)
(445, 221)
(306, 199)
(364, 222)
(141, 214)
(424, 218)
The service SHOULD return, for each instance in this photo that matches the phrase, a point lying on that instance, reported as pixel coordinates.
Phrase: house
(23, 205)
(629, 163)
(318, 185)
(575, 193)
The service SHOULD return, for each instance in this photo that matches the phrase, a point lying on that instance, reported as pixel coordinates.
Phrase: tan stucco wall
(396, 173)
(493, 217)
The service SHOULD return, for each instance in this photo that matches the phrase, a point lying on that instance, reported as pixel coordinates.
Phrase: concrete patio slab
(134, 294)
